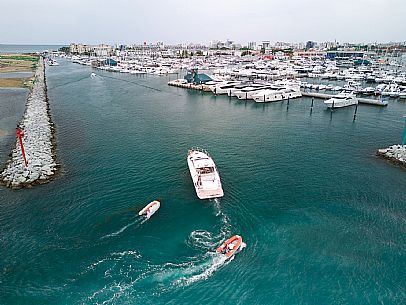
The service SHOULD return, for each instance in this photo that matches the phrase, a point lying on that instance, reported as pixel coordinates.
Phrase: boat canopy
(202, 163)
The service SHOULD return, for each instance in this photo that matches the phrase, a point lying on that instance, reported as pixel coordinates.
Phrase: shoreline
(39, 140)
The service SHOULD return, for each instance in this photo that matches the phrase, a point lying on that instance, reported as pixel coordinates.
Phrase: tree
(64, 49)
(184, 54)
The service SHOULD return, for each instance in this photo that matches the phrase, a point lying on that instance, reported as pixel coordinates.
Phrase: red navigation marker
(20, 135)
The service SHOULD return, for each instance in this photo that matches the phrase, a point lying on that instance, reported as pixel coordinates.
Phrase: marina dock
(177, 83)
(360, 100)
(318, 95)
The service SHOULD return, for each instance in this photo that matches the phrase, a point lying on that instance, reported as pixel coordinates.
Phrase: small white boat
(52, 62)
(93, 75)
(205, 176)
(341, 100)
(150, 209)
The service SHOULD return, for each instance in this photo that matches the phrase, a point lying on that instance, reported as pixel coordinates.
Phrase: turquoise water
(324, 220)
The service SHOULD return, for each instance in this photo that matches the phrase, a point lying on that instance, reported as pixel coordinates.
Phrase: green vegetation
(10, 63)
(18, 63)
(184, 54)
(64, 49)
(20, 57)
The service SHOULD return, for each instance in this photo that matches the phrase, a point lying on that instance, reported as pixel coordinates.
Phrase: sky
(185, 21)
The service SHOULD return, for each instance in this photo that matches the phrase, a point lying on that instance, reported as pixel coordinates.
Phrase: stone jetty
(395, 154)
(38, 140)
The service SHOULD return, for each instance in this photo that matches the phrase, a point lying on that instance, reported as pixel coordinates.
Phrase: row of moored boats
(260, 92)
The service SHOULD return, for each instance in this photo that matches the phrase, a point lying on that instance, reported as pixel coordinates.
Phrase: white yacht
(205, 176)
(239, 87)
(247, 92)
(223, 88)
(341, 100)
(271, 95)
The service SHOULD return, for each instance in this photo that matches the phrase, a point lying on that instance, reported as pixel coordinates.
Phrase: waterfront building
(266, 44)
(310, 45)
(99, 50)
(78, 48)
(103, 50)
(252, 45)
(193, 77)
(344, 54)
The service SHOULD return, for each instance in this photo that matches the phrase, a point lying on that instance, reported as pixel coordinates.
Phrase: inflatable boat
(150, 209)
(231, 246)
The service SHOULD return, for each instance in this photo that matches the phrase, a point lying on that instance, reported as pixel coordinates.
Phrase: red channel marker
(20, 135)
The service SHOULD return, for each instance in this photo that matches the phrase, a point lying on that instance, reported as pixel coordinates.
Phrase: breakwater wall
(395, 154)
(38, 140)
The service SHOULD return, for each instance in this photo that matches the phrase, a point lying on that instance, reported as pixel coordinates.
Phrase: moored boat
(341, 100)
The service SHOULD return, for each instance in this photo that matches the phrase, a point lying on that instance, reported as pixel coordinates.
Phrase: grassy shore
(10, 63)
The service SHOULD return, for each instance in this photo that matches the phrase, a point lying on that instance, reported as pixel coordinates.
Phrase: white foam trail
(202, 239)
(138, 221)
(225, 230)
(206, 270)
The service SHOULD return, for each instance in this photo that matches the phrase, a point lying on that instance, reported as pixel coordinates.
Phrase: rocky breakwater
(395, 154)
(38, 140)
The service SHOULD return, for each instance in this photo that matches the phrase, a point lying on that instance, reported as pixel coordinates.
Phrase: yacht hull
(207, 185)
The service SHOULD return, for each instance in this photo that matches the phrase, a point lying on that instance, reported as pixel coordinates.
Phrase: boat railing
(201, 150)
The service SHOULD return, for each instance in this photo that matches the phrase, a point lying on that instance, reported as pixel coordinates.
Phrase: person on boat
(229, 247)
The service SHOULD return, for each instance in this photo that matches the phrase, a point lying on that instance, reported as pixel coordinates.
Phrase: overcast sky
(182, 21)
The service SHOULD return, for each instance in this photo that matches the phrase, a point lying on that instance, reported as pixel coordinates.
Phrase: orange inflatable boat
(230, 246)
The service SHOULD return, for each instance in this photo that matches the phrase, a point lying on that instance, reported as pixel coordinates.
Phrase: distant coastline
(26, 48)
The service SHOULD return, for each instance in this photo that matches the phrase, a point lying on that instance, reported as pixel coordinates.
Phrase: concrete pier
(395, 154)
(360, 100)
(177, 83)
(38, 140)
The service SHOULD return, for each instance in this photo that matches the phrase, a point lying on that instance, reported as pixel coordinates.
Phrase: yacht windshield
(205, 170)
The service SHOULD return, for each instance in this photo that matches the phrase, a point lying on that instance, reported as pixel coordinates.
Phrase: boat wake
(138, 222)
(126, 276)
(202, 267)
(201, 239)
(225, 223)
(177, 275)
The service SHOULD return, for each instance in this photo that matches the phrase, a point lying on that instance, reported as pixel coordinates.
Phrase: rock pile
(394, 153)
(38, 140)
